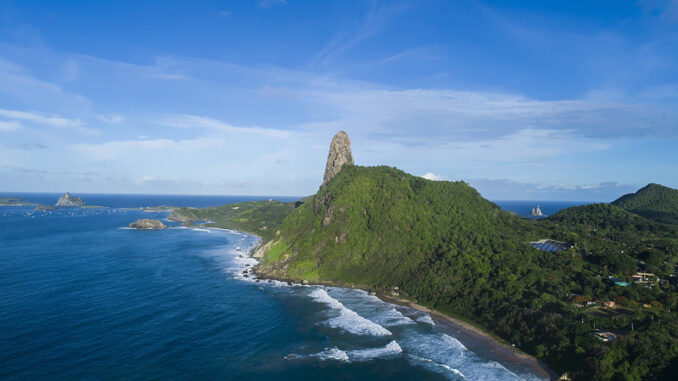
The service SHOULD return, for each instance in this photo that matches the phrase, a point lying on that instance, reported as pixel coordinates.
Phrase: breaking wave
(348, 320)
(358, 355)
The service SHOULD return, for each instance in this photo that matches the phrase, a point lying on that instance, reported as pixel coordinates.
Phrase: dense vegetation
(262, 218)
(654, 201)
(448, 248)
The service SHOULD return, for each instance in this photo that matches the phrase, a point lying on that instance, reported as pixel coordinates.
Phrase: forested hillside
(654, 201)
(445, 246)
(262, 218)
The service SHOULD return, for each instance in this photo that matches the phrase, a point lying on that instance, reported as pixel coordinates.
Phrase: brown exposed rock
(340, 154)
(328, 216)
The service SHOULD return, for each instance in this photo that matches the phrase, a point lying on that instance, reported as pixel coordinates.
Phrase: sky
(525, 100)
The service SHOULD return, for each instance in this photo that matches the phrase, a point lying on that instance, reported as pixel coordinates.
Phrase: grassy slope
(654, 201)
(407, 220)
(261, 218)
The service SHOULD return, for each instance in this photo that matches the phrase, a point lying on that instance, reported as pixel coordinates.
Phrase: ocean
(84, 297)
(548, 208)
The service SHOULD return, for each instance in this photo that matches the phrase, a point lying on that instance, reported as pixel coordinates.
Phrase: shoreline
(475, 338)
(472, 337)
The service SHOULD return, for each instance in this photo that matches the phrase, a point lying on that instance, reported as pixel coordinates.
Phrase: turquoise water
(83, 297)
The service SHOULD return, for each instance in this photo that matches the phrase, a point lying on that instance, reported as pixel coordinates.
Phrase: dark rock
(147, 224)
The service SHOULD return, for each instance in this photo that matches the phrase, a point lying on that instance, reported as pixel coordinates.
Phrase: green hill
(443, 245)
(262, 218)
(653, 201)
(381, 216)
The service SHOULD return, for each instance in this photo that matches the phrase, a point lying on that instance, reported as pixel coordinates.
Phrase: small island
(147, 224)
(536, 212)
(69, 201)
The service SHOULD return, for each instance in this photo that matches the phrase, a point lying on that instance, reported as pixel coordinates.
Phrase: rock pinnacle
(340, 154)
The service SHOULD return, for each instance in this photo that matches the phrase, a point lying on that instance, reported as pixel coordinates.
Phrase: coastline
(474, 338)
(478, 340)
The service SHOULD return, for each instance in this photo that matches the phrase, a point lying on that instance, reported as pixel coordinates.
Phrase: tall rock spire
(340, 154)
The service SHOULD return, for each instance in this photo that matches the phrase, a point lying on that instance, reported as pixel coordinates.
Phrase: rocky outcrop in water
(340, 154)
(69, 201)
(147, 223)
(536, 212)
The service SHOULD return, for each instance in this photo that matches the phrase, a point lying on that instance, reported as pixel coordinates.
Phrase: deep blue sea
(83, 297)
(548, 208)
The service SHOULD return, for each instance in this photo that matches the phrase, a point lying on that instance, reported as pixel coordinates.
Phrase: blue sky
(558, 100)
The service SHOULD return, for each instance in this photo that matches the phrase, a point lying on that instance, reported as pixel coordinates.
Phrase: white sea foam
(438, 351)
(357, 355)
(426, 319)
(200, 230)
(332, 354)
(372, 308)
(391, 317)
(348, 320)
(445, 367)
(390, 350)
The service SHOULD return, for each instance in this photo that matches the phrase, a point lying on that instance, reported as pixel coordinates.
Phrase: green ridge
(261, 218)
(446, 247)
(653, 201)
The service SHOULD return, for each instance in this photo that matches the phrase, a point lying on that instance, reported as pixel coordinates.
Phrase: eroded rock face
(69, 201)
(340, 154)
(147, 224)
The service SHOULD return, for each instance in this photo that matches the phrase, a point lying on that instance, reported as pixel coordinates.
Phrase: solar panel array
(550, 245)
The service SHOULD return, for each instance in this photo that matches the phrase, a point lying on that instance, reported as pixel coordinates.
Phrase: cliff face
(69, 201)
(340, 154)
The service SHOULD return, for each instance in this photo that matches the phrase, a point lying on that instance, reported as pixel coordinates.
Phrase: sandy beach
(479, 341)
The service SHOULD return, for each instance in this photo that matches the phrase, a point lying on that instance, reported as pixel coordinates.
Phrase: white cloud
(138, 149)
(433, 176)
(9, 126)
(50, 120)
(193, 121)
(504, 189)
(239, 125)
(110, 119)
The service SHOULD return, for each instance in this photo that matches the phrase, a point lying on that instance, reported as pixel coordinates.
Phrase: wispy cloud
(49, 120)
(376, 18)
(138, 149)
(194, 121)
(110, 119)
(504, 189)
(268, 126)
(10, 126)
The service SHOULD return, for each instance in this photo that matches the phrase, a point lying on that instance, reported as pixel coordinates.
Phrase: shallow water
(81, 296)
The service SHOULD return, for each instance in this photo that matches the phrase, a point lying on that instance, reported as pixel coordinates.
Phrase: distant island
(68, 201)
(14, 201)
(590, 290)
(536, 212)
(147, 224)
